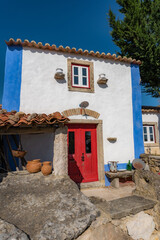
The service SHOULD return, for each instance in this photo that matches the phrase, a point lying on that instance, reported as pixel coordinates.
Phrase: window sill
(80, 89)
(151, 144)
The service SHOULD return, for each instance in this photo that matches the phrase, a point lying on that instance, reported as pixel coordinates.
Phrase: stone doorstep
(123, 207)
(97, 184)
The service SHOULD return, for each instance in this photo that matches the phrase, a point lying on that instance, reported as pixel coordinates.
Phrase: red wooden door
(82, 153)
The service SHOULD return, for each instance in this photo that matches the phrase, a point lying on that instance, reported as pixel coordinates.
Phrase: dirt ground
(110, 193)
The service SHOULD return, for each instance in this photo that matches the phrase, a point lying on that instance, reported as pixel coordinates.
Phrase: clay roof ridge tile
(14, 118)
(68, 49)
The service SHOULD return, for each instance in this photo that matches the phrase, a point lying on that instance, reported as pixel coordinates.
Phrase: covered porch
(41, 136)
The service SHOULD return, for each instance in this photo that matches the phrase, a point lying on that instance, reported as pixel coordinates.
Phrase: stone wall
(148, 186)
(152, 161)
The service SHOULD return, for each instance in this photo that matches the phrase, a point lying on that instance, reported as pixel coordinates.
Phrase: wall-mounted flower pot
(18, 153)
(102, 81)
(112, 139)
(59, 75)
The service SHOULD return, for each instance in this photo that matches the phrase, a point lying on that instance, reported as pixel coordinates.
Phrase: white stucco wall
(40, 92)
(38, 146)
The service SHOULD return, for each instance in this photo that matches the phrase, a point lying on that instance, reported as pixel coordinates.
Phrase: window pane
(71, 143)
(145, 138)
(150, 129)
(75, 70)
(151, 138)
(88, 141)
(84, 81)
(75, 80)
(84, 71)
(144, 129)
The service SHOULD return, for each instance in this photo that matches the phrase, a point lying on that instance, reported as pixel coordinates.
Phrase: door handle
(82, 157)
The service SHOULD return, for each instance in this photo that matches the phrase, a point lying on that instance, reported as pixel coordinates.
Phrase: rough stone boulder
(10, 232)
(141, 226)
(147, 184)
(104, 232)
(103, 229)
(45, 207)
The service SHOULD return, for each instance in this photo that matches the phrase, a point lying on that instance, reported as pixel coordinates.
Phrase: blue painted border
(137, 111)
(12, 80)
(107, 168)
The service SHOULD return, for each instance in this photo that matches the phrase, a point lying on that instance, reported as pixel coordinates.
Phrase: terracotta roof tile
(150, 109)
(67, 49)
(15, 119)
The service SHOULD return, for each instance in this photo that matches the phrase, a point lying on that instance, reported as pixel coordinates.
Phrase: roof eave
(67, 49)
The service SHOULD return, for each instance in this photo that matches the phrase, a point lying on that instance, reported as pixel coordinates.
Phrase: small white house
(151, 129)
(99, 93)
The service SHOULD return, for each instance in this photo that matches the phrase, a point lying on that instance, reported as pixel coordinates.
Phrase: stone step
(123, 207)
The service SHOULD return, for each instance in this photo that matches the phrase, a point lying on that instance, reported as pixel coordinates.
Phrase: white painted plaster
(40, 92)
(38, 146)
(84, 117)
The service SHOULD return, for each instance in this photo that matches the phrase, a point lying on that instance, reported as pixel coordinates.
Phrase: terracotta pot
(19, 154)
(46, 168)
(36, 161)
(33, 166)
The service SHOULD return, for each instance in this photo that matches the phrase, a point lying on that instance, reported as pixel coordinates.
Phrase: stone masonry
(152, 161)
(60, 161)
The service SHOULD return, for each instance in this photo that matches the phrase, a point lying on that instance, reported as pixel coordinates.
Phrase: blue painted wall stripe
(137, 111)
(12, 81)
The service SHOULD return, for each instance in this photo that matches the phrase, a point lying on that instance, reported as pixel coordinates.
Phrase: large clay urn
(46, 168)
(33, 166)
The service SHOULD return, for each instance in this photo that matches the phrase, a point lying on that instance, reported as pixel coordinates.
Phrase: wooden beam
(26, 130)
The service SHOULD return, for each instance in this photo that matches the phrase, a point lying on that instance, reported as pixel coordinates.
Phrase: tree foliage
(138, 36)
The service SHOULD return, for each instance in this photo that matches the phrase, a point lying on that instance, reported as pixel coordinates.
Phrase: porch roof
(16, 119)
(151, 109)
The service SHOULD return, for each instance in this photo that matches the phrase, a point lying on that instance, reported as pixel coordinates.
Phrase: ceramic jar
(46, 168)
(33, 166)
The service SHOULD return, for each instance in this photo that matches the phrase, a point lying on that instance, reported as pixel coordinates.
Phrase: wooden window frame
(80, 88)
(155, 132)
(148, 134)
(80, 67)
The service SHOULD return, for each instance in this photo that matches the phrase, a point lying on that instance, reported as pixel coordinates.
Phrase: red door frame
(79, 170)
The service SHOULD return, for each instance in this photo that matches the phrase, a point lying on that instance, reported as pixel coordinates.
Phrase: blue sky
(75, 23)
